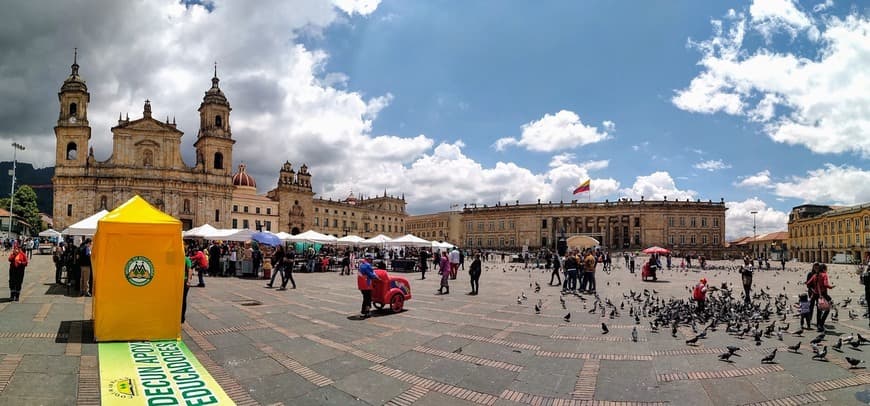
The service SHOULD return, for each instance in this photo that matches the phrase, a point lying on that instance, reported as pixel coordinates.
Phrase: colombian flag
(584, 187)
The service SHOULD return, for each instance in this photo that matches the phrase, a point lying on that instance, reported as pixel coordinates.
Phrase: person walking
(454, 257)
(57, 258)
(589, 264)
(277, 265)
(287, 272)
(811, 290)
(474, 272)
(364, 279)
(188, 264)
(444, 271)
(631, 262)
(424, 263)
(822, 284)
(201, 263)
(746, 278)
(214, 259)
(85, 265)
(555, 273)
(17, 263)
(571, 266)
(699, 294)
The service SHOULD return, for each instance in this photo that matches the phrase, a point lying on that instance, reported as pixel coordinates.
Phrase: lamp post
(346, 230)
(821, 243)
(15, 148)
(754, 234)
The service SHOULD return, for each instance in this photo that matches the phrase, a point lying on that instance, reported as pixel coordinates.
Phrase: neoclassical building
(818, 233)
(146, 160)
(692, 227)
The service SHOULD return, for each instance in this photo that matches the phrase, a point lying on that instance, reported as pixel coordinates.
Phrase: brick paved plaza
(307, 347)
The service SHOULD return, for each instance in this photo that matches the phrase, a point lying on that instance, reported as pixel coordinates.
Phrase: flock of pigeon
(765, 317)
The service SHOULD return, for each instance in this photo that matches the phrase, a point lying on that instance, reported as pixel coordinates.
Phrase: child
(804, 306)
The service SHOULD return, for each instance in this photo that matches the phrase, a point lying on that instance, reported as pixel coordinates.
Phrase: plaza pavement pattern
(308, 347)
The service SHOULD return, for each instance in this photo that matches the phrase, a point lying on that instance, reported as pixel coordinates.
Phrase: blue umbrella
(265, 237)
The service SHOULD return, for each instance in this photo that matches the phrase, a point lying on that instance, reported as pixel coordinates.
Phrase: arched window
(218, 122)
(71, 151)
(186, 206)
(73, 109)
(218, 160)
(147, 158)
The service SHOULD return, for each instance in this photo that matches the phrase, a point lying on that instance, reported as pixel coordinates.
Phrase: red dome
(243, 179)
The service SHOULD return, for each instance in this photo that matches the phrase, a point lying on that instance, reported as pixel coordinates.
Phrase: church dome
(243, 179)
(350, 199)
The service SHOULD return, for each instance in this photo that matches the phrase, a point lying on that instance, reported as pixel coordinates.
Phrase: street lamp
(754, 234)
(15, 148)
(821, 243)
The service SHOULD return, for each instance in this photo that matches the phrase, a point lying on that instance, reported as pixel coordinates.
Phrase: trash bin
(138, 265)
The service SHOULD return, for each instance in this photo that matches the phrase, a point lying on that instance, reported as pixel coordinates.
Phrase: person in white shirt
(454, 262)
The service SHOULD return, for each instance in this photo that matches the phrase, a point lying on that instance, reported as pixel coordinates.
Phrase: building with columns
(146, 161)
(686, 227)
(818, 233)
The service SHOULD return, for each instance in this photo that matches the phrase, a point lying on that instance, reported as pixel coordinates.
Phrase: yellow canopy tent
(582, 241)
(138, 263)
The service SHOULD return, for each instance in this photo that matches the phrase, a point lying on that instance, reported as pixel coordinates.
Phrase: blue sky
(761, 103)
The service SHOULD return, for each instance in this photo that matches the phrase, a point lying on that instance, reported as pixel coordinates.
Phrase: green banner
(155, 373)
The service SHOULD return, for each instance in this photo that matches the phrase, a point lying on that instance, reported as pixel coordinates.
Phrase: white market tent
(379, 239)
(240, 235)
(442, 245)
(86, 227)
(51, 233)
(284, 236)
(350, 240)
(198, 232)
(410, 240)
(218, 234)
(313, 237)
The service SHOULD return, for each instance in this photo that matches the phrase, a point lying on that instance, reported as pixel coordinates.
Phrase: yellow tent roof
(137, 210)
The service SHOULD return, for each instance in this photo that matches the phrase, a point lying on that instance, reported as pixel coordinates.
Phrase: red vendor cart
(394, 290)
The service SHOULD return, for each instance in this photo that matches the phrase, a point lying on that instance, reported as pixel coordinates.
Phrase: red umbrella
(656, 250)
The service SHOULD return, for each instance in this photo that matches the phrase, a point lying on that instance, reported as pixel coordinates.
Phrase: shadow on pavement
(54, 289)
(64, 330)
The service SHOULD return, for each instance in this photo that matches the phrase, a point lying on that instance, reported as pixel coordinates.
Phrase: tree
(25, 207)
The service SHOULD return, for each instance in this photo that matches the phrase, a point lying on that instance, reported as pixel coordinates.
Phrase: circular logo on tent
(139, 271)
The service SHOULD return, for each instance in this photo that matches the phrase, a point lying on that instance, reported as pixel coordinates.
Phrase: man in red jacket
(364, 279)
(17, 263)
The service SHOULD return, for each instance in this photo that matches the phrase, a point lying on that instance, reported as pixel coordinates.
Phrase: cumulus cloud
(656, 186)
(760, 179)
(362, 7)
(555, 132)
(840, 185)
(739, 219)
(712, 165)
(817, 99)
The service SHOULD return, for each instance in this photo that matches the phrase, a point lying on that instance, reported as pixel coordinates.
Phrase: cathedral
(146, 161)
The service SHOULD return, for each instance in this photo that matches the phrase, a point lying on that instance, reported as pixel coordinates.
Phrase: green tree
(26, 207)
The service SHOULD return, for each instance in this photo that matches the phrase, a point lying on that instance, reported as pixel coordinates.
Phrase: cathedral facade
(146, 160)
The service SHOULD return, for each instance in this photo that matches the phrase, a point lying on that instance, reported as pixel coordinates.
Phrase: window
(671, 239)
(491, 226)
(245, 223)
(186, 206)
(543, 223)
(692, 239)
(257, 210)
(366, 227)
(543, 241)
(512, 243)
(268, 225)
(848, 226)
(637, 238)
(235, 208)
(245, 209)
(715, 222)
(73, 109)
(511, 225)
(325, 222)
(235, 223)
(470, 241)
(218, 160)
(317, 221)
(69, 210)
(71, 151)
(469, 226)
(479, 226)
(501, 225)
(479, 241)
(217, 216)
(269, 211)
(703, 222)
(501, 241)
(704, 239)
(218, 121)
(343, 223)
(715, 240)
(682, 221)
(671, 222)
(682, 239)
(693, 222)
(334, 223)
(637, 221)
(147, 158)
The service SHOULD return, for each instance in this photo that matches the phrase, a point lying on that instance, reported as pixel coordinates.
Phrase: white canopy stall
(86, 227)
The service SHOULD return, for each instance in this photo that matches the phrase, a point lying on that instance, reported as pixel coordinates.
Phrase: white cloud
(818, 8)
(642, 145)
(772, 15)
(559, 131)
(760, 179)
(818, 101)
(362, 7)
(739, 219)
(840, 185)
(656, 186)
(712, 165)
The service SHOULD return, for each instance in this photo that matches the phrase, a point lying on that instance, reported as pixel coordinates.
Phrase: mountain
(26, 174)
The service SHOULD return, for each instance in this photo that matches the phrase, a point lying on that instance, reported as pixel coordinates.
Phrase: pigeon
(674, 331)
(769, 357)
(799, 332)
(795, 348)
(562, 300)
(537, 287)
(654, 328)
(818, 339)
(604, 329)
(853, 362)
(779, 335)
(523, 295)
(861, 339)
(732, 349)
(519, 300)
(567, 318)
(855, 344)
(838, 345)
(692, 340)
(537, 309)
(725, 355)
(820, 356)
(634, 334)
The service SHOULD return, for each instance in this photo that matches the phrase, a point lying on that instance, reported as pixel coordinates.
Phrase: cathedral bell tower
(72, 131)
(214, 142)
